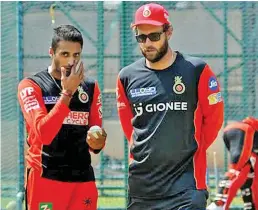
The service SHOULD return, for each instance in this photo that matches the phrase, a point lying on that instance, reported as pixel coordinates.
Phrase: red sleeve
(44, 125)
(212, 106)
(124, 110)
(96, 108)
(252, 122)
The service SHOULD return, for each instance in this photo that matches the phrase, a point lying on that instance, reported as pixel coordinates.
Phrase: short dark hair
(66, 33)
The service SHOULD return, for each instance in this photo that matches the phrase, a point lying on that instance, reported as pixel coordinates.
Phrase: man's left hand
(97, 143)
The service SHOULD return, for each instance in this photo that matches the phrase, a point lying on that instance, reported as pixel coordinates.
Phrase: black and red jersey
(57, 133)
(241, 140)
(170, 118)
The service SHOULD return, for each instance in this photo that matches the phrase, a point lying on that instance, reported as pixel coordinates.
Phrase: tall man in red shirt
(171, 109)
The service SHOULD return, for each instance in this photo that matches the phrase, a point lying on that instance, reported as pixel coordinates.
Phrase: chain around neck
(49, 70)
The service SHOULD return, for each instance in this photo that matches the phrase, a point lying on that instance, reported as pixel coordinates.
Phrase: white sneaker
(213, 206)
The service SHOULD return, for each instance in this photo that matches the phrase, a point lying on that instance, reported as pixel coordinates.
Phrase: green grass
(115, 202)
(103, 202)
(109, 202)
(108, 198)
(112, 200)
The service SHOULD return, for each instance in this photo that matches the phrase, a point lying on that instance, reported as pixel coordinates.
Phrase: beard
(153, 58)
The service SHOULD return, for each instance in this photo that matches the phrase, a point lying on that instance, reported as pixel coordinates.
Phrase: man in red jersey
(59, 107)
(241, 139)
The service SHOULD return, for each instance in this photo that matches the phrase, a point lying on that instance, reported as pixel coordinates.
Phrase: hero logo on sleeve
(77, 118)
(29, 100)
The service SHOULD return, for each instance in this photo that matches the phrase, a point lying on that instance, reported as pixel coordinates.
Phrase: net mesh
(9, 114)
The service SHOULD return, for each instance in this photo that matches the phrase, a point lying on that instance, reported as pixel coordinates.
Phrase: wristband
(66, 94)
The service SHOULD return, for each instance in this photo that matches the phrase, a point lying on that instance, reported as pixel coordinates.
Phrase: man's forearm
(65, 99)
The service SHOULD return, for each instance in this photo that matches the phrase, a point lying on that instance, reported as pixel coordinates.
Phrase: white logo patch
(83, 96)
(77, 118)
(29, 101)
(143, 92)
(120, 105)
(50, 99)
(146, 12)
(179, 86)
(160, 107)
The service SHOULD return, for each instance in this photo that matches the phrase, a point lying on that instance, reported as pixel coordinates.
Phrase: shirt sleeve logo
(29, 99)
(215, 98)
(179, 86)
(213, 84)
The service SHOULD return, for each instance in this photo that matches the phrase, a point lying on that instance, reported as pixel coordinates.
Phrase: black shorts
(187, 200)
